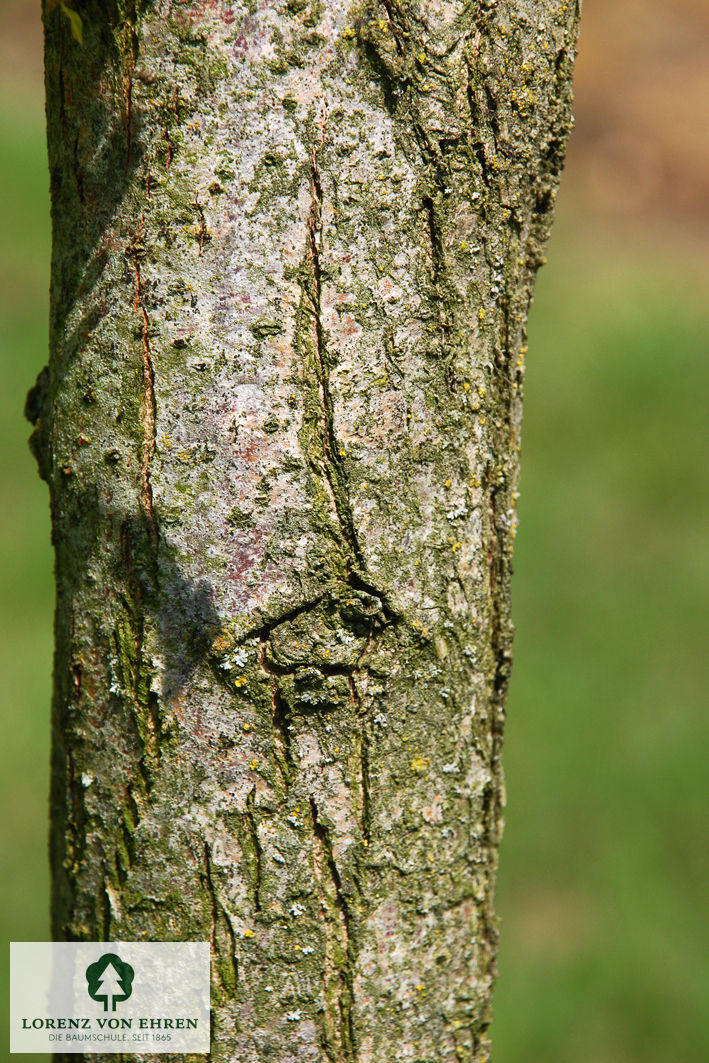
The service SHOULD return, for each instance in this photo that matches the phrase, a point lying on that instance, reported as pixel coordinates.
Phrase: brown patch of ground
(640, 149)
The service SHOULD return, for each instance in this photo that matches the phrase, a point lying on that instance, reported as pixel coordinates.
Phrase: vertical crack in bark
(173, 109)
(478, 145)
(128, 102)
(104, 909)
(365, 788)
(489, 841)
(338, 972)
(202, 224)
(324, 458)
(131, 671)
(154, 727)
(409, 107)
(499, 641)
(279, 714)
(222, 936)
(126, 827)
(328, 463)
(498, 635)
(130, 817)
(128, 651)
(491, 115)
(440, 283)
(252, 827)
(434, 236)
(149, 408)
(212, 897)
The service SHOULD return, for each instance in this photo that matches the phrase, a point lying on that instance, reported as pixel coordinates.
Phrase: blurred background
(604, 876)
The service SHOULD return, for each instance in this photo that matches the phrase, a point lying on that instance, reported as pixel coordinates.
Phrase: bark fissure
(479, 147)
(202, 225)
(283, 752)
(440, 283)
(364, 741)
(325, 457)
(340, 953)
(149, 406)
(104, 908)
(328, 463)
(252, 827)
(222, 937)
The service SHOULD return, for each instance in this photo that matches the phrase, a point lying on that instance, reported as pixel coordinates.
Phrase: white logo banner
(109, 996)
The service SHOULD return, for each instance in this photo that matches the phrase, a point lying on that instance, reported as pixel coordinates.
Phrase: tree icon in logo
(109, 979)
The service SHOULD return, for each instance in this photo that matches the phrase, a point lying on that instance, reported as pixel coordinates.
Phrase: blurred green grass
(26, 591)
(605, 863)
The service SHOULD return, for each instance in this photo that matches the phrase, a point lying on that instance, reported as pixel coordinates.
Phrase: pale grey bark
(294, 248)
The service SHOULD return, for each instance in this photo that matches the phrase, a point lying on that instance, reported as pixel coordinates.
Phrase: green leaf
(77, 28)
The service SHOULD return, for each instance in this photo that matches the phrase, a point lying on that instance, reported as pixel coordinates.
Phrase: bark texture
(294, 249)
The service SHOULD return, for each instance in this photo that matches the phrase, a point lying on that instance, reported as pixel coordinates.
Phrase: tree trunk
(294, 249)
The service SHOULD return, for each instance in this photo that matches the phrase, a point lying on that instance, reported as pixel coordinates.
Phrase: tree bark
(294, 244)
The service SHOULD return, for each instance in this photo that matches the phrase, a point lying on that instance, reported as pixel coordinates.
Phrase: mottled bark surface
(294, 248)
